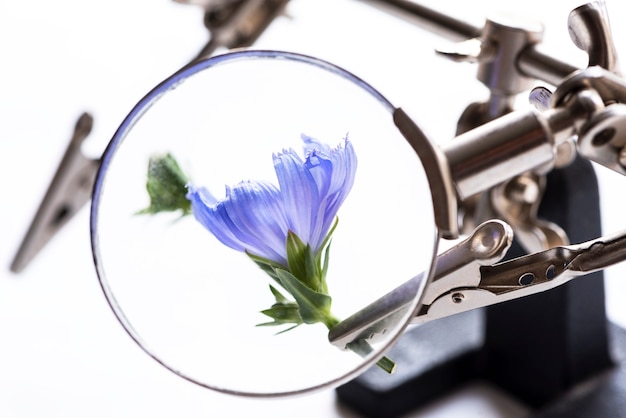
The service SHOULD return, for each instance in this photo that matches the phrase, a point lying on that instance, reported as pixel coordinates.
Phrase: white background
(62, 352)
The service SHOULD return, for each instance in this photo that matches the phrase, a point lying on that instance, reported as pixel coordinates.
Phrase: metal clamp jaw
(528, 274)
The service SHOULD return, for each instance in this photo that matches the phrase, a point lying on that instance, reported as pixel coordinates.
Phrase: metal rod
(437, 22)
(531, 62)
(535, 64)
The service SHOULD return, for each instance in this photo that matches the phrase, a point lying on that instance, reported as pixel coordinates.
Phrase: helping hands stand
(539, 348)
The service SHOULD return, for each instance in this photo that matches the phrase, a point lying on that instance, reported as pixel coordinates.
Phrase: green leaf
(314, 306)
(166, 186)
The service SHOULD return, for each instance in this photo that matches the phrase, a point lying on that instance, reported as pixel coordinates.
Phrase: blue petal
(312, 144)
(299, 192)
(205, 210)
(334, 172)
(250, 218)
(256, 212)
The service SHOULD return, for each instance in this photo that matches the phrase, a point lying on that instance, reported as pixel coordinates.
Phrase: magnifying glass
(245, 206)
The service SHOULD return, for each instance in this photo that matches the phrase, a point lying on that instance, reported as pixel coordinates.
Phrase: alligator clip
(68, 192)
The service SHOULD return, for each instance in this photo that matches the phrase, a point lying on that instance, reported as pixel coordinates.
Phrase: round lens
(246, 207)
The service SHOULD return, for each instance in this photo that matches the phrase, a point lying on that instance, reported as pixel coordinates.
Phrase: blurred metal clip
(68, 192)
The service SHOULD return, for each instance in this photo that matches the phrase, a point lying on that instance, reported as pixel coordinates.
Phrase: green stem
(387, 364)
(363, 348)
(330, 321)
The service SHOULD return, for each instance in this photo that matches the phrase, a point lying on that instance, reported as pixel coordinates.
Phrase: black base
(541, 349)
(434, 360)
(603, 395)
(376, 395)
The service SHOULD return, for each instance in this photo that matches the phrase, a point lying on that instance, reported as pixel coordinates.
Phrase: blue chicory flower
(285, 229)
(256, 217)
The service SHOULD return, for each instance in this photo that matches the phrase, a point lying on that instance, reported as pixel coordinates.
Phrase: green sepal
(314, 306)
(315, 280)
(304, 264)
(296, 256)
(325, 243)
(267, 265)
(280, 298)
(286, 329)
(325, 251)
(304, 278)
(282, 312)
(166, 186)
(324, 288)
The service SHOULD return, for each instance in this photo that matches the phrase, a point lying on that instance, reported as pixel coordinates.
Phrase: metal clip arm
(528, 275)
(465, 277)
(458, 266)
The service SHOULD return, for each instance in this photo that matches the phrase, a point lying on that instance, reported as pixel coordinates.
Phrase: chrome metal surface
(539, 65)
(437, 171)
(603, 138)
(498, 70)
(609, 86)
(496, 151)
(513, 144)
(442, 24)
(472, 50)
(590, 30)
(540, 97)
(531, 62)
(517, 202)
(528, 275)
